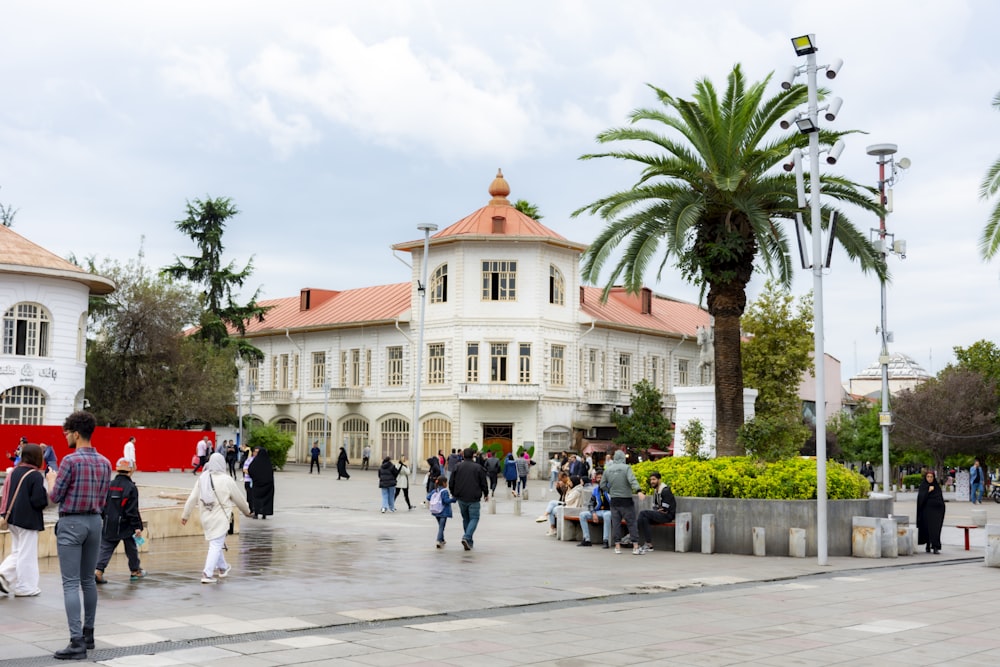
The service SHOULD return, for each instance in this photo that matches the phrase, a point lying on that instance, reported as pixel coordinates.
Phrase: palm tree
(713, 199)
(989, 245)
(529, 209)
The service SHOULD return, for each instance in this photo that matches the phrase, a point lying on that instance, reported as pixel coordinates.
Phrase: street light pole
(426, 228)
(326, 421)
(884, 153)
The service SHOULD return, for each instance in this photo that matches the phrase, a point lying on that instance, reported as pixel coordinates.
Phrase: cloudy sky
(338, 127)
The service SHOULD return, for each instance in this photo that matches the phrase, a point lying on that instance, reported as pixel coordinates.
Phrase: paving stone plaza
(329, 580)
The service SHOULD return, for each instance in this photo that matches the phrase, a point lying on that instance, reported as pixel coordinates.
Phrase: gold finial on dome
(499, 189)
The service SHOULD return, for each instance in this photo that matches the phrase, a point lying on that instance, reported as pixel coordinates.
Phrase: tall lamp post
(426, 228)
(326, 422)
(886, 245)
(807, 123)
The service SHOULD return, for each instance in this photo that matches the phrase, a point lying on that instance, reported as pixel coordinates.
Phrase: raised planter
(735, 519)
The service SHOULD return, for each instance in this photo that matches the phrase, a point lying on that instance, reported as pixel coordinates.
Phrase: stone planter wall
(735, 520)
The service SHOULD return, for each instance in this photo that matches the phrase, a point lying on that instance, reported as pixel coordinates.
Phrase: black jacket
(468, 482)
(25, 510)
(121, 512)
(664, 502)
(387, 475)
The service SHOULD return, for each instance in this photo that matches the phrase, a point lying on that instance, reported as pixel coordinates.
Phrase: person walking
(232, 458)
(247, 480)
(314, 457)
(510, 474)
(201, 452)
(128, 451)
(342, 465)
(977, 482)
(366, 455)
(403, 483)
(930, 513)
(122, 523)
(620, 483)
(81, 489)
(22, 500)
(387, 483)
(215, 494)
(492, 467)
(523, 465)
(467, 484)
(439, 502)
(262, 483)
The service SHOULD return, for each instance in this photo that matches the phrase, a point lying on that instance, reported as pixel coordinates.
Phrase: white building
(903, 371)
(516, 351)
(44, 300)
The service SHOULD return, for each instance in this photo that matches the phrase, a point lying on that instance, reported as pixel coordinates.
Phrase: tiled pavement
(330, 580)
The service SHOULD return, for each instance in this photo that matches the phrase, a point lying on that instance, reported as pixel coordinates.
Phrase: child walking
(122, 523)
(439, 502)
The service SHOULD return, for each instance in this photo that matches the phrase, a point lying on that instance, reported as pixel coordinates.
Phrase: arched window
(439, 284)
(557, 286)
(355, 431)
(436, 436)
(286, 425)
(319, 429)
(395, 437)
(26, 330)
(22, 405)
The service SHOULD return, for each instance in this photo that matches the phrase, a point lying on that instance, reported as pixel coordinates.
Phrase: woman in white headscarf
(215, 494)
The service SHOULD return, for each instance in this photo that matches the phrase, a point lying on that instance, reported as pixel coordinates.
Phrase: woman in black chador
(930, 513)
(262, 476)
(342, 465)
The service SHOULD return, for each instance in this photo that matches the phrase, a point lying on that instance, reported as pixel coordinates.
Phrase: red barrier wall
(156, 450)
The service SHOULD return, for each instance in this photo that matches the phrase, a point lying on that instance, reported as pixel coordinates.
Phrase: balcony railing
(499, 392)
(279, 396)
(346, 394)
(602, 396)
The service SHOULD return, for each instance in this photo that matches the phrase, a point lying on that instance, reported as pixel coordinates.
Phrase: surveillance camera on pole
(833, 110)
(835, 151)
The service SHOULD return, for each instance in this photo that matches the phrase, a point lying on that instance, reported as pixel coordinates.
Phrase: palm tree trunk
(726, 304)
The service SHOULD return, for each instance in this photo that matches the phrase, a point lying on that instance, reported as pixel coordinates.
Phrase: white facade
(44, 301)
(511, 355)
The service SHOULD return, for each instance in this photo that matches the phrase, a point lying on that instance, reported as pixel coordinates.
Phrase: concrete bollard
(888, 538)
(979, 517)
(682, 532)
(493, 504)
(904, 543)
(797, 542)
(524, 493)
(992, 545)
(708, 533)
(866, 539)
(759, 546)
(517, 507)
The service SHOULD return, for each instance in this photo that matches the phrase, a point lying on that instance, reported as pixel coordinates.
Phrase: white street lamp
(426, 228)
(887, 245)
(326, 422)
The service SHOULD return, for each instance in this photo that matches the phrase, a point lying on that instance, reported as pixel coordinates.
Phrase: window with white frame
(655, 371)
(683, 378)
(355, 367)
(343, 368)
(368, 368)
(625, 371)
(499, 280)
(498, 362)
(557, 286)
(592, 363)
(472, 362)
(436, 436)
(524, 363)
(22, 405)
(318, 369)
(557, 367)
(395, 436)
(439, 284)
(354, 432)
(26, 330)
(253, 375)
(394, 368)
(435, 363)
(320, 429)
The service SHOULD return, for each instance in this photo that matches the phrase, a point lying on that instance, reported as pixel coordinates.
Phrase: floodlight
(787, 121)
(806, 125)
(789, 78)
(904, 163)
(835, 151)
(804, 45)
(834, 68)
(834, 109)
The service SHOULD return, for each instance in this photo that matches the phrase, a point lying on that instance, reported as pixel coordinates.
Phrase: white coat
(215, 520)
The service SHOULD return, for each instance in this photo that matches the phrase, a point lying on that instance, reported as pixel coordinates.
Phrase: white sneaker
(225, 573)
(208, 580)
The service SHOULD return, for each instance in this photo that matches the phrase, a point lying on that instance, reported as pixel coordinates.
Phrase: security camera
(833, 68)
(794, 159)
(788, 120)
(835, 151)
(834, 108)
(789, 78)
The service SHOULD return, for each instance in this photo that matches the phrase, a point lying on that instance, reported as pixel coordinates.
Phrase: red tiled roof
(365, 305)
(667, 316)
(21, 256)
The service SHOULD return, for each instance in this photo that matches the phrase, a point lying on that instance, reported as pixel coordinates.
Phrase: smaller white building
(904, 373)
(44, 301)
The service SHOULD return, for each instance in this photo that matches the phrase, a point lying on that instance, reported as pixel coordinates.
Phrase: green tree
(645, 426)
(712, 199)
(276, 442)
(529, 209)
(858, 435)
(141, 369)
(983, 357)
(205, 224)
(989, 244)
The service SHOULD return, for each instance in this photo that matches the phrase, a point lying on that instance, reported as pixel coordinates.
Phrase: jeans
(442, 520)
(389, 499)
(470, 519)
(77, 542)
(216, 559)
(550, 511)
(623, 509)
(977, 493)
(108, 548)
(587, 515)
(314, 462)
(553, 476)
(20, 567)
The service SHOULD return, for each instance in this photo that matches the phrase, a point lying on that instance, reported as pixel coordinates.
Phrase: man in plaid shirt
(81, 489)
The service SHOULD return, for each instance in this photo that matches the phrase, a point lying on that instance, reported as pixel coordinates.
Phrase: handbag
(9, 501)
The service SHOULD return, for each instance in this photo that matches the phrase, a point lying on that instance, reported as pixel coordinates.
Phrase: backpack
(436, 506)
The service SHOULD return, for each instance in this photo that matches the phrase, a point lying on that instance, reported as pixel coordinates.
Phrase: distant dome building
(44, 301)
(904, 373)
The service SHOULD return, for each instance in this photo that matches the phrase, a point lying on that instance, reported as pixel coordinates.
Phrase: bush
(771, 438)
(913, 480)
(277, 443)
(744, 477)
